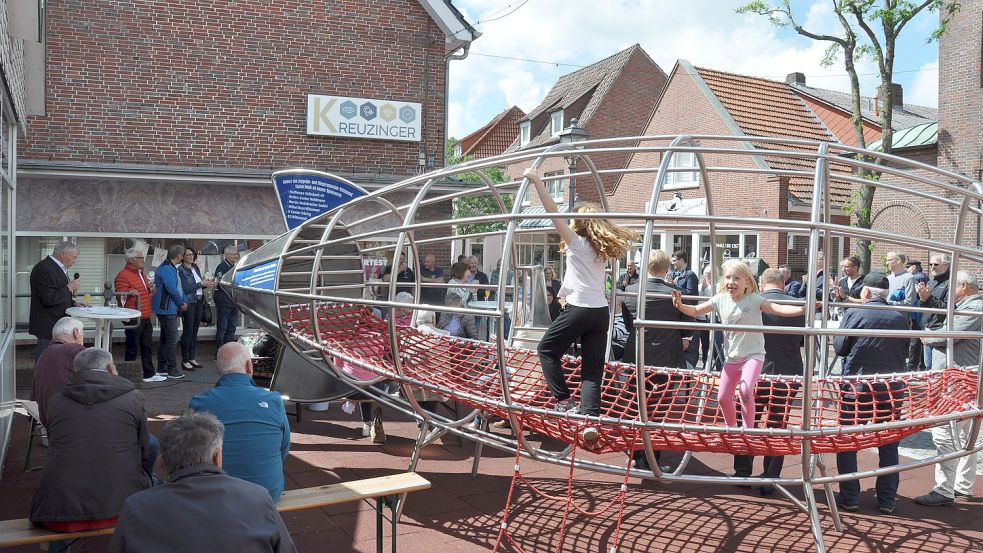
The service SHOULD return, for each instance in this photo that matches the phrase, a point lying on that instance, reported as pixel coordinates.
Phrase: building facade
(163, 121)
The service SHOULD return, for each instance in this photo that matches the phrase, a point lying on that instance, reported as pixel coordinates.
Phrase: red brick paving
(461, 514)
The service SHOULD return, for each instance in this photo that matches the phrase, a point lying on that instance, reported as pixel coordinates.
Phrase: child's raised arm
(565, 232)
(691, 310)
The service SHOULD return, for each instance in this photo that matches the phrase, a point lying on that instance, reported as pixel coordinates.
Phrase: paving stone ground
(462, 514)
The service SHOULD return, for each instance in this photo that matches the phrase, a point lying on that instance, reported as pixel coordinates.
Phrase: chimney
(795, 78)
(897, 96)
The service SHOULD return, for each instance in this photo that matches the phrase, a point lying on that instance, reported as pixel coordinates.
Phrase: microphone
(76, 276)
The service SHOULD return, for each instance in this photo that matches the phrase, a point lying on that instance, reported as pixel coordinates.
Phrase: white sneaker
(366, 430)
(155, 378)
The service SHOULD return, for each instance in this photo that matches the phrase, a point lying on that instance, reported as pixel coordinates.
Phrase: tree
(478, 204)
(860, 21)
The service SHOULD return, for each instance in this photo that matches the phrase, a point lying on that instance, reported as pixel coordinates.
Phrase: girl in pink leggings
(738, 302)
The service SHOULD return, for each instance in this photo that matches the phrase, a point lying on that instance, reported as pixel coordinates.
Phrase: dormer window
(683, 160)
(457, 150)
(524, 134)
(556, 123)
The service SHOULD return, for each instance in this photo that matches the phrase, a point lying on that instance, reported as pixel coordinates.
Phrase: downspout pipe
(459, 54)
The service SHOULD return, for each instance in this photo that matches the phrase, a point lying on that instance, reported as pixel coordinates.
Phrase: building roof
(539, 223)
(457, 31)
(591, 83)
(904, 116)
(926, 134)
(763, 107)
(493, 138)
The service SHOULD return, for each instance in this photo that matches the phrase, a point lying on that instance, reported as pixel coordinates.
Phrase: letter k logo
(321, 114)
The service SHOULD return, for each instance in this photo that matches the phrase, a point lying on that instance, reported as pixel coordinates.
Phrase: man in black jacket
(935, 294)
(783, 356)
(664, 347)
(100, 451)
(51, 292)
(226, 311)
(862, 402)
(200, 508)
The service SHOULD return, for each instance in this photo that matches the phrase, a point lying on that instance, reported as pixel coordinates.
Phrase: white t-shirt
(583, 280)
(739, 346)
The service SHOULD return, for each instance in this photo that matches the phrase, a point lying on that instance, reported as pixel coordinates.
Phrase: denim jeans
(190, 321)
(166, 355)
(225, 325)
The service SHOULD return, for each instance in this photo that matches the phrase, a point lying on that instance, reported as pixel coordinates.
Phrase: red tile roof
(493, 138)
(762, 107)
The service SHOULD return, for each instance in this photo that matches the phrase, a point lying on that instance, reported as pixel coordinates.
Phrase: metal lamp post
(573, 135)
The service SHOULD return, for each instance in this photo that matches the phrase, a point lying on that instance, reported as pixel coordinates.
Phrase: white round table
(103, 317)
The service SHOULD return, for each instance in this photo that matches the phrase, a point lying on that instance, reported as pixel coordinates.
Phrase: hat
(877, 280)
(913, 263)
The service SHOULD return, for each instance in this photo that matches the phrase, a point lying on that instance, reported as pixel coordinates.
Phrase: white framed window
(457, 150)
(524, 133)
(555, 187)
(683, 160)
(556, 122)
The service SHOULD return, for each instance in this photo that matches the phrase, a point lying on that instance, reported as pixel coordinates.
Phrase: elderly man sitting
(100, 452)
(55, 368)
(200, 508)
(257, 433)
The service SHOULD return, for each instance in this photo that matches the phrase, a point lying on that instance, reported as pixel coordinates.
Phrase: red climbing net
(682, 409)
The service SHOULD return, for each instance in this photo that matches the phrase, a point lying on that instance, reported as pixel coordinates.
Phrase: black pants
(590, 325)
(190, 321)
(775, 403)
(141, 338)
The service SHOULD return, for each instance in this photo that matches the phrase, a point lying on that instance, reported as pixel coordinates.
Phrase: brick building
(613, 97)
(164, 120)
(493, 138)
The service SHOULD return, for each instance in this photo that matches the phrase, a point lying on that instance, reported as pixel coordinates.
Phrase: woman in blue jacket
(192, 284)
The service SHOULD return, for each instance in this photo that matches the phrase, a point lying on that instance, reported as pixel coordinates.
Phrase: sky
(526, 45)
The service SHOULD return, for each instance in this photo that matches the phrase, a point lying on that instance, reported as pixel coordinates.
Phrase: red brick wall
(184, 83)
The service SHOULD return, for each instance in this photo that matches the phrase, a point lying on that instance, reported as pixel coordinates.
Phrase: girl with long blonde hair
(589, 244)
(738, 302)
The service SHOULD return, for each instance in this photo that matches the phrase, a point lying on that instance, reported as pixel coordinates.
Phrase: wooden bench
(383, 489)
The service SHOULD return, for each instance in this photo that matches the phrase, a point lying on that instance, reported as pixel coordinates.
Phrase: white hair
(231, 248)
(64, 247)
(878, 292)
(232, 358)
(404, 297)
(66, 326)
(965, 277)
(133, 252)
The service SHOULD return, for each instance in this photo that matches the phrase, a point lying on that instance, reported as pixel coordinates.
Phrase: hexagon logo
(367, 111)
(348, 109)
(407, 114)
(387, 112)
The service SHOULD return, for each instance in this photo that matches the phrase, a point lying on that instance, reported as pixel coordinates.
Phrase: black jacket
(201, 508)
(97, 430)
(219, 296)
(782, 355)
(938, 300)
(663, 346)
(872, 355)
(50, 297)
(851, 291)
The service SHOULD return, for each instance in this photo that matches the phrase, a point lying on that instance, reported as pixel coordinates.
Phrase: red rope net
(467, 371)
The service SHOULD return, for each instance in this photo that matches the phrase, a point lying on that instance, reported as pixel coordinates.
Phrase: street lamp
(572, 135)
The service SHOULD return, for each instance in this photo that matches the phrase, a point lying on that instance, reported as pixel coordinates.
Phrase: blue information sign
(305, 194)
(261, 276)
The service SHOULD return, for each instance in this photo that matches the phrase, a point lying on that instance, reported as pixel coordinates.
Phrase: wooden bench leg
(380, 504)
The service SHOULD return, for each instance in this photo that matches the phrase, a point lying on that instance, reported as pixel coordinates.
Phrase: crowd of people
(233, 439)
(176, 292)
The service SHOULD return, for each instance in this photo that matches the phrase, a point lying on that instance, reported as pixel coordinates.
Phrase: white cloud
(708, 33)
(924, 90)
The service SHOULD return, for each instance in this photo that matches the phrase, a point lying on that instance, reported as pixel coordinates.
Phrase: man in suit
(792, 286)
(782, 357)
(51, 292)
(664, 347)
